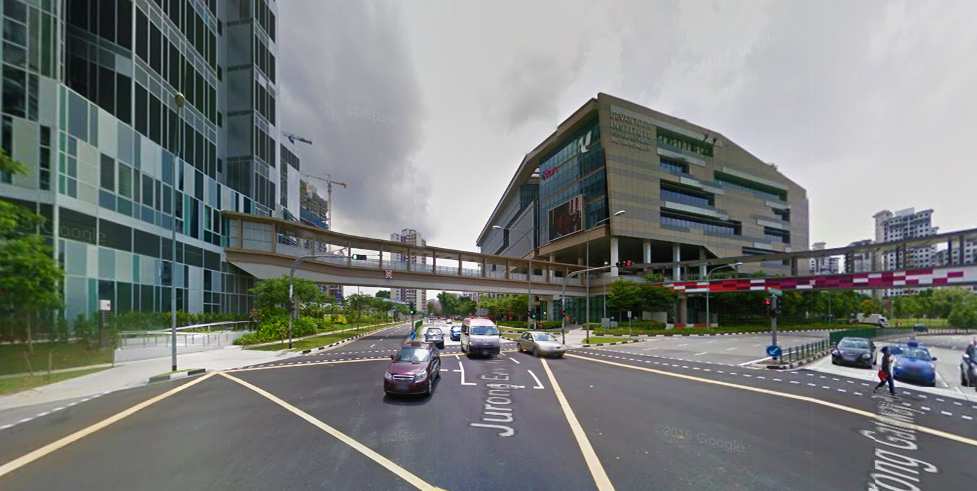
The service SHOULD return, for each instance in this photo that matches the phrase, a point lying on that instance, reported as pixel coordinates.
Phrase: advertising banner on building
(567, 218)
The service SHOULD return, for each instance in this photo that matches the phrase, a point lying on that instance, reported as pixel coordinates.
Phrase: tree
(30, 278)
(624, 295)
(434, 307)
(383, 294)
(656, 298)
(964, 313)
(945, 299)
(271, 295)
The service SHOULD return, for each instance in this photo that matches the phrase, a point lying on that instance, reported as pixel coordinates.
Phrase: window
(142, 35)
(777, 234)
(107, 175)
(680, 194)
(14, 91)
(147, 190)
(113, 235)
(674, 167)
(125, 181)
(706, 225)
(680, 142)
(761, 190)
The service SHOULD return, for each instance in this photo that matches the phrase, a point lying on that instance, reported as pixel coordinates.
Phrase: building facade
(823, 265)
(617, 181)
(314, 208)
(409, 295)
(905, 224)
(117, 160)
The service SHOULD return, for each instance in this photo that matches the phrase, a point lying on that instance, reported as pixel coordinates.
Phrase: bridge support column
(614, 256)
(349, 254)
(646, 251)
(676, 257)
(961, 251)
(459, 265)
(380, 253)
(484, 267)
(793, 266)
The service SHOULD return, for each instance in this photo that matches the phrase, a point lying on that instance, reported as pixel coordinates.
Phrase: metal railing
(807, 351)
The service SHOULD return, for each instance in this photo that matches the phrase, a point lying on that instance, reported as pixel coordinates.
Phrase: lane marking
(731, 348)
(78, 435)
(539, 385)
(386, 463)
(461, 368)
(841, 407)
(514, 360)
(700, 354)
(307, 364)
(589, 455)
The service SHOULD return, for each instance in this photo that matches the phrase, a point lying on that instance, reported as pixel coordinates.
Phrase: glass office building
(115, 162)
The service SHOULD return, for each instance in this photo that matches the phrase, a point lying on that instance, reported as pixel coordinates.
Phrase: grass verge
(17, 384)
(63, 355)
(685, 331)
(604, 339)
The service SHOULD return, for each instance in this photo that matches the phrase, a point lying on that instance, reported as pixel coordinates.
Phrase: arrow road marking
(539, 385)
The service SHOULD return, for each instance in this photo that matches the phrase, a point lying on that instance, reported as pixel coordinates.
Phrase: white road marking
(589, 455)
(945, 413)
(924, 408)
(539, 385)
(514, 360)
(730, 348)
(968, 418)
(461, 369)
(700, 354)
(753, 361)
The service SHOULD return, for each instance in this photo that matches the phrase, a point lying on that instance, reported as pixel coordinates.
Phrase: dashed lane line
(786, 395)
(78, 435)
(368, 452)
(590, 456)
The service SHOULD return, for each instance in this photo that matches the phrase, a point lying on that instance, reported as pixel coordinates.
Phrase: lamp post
(587, 316)
(732, 266)
(291, 288)
(180, 100)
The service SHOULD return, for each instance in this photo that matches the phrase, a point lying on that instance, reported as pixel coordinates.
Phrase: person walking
(885, 373)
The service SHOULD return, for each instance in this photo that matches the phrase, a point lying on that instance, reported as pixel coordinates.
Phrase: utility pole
(180, 101)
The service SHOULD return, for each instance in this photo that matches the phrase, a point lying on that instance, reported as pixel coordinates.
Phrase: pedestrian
(885, 373)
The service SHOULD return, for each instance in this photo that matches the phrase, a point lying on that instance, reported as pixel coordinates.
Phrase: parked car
(456, 333)
(540, 344)
(413, 369)
(968, 366)
(914, 364)
(854, 351)
(434, 335)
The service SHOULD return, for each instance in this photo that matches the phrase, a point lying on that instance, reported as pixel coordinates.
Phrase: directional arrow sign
(775, 292)
(773, 351)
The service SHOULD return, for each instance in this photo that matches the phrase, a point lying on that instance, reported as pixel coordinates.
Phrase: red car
(413, 369)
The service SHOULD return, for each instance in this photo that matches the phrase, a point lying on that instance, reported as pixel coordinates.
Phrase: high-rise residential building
(905, 224)
(116, 159)
(409, 295)
(617, 181)
(859, 262)
(825, 264)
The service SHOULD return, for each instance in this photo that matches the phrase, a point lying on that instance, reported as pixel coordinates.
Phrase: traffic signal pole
(773, 319)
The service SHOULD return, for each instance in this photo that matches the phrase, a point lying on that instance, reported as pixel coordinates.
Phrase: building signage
(630, 129)
(567, 218)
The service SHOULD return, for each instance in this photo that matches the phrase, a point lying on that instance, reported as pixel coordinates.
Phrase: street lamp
(615, 214)
(563, 299)
(180, 100)
(291, 276)
(529, 292)
(732, 266)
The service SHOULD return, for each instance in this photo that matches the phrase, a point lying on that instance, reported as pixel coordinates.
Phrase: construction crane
(292, 137)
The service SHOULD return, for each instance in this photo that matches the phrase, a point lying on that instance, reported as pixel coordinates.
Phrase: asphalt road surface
(603, 418)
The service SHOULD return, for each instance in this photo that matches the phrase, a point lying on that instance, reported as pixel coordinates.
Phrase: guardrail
(807, 351)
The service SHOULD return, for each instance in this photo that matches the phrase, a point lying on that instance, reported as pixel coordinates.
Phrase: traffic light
(627, 263)
(768, 306)
(412, 311)
(772, 304)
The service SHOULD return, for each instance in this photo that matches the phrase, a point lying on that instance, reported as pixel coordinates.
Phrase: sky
(426, 108)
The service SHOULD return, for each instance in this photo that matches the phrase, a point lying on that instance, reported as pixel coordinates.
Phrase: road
(610, 417)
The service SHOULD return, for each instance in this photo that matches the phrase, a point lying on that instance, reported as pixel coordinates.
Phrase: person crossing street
(885, 372)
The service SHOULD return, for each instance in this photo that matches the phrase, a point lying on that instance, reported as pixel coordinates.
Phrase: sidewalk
(136, 373)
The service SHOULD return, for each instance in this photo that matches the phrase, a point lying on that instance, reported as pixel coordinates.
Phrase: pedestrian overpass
(267, 247)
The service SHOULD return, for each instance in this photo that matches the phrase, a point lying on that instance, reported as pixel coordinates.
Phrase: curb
(629, 341)
(347, 340)
(176, 376)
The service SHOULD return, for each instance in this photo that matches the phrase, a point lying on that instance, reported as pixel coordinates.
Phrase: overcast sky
(426, 108)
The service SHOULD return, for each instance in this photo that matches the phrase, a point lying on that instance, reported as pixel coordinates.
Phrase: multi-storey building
(315, 208)
(905, 224)
(617, 181)
(135, 118)
(409, 295)
(825, 264)
(859, 262)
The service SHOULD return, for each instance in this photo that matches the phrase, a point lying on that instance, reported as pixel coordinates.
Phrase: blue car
(456, 333)
(913, 364)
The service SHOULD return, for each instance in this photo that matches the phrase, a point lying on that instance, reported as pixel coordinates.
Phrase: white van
(480, 336)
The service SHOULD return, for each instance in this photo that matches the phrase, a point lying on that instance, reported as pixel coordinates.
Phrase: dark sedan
(413, 370)
(968, 367)
(855, 352)
(456, 333)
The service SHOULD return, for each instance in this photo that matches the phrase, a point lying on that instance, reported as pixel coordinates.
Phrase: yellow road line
(589, 455)
(300, 365)
(812, 400)
(359, 447)
(78, 435)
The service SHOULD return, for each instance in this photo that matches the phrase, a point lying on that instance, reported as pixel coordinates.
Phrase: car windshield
(545, 337)
(413, 354)
(434, 330)
(916, 354)
(853, 344)
(484, 331)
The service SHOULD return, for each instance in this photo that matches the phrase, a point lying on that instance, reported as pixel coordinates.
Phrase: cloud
(347, 81)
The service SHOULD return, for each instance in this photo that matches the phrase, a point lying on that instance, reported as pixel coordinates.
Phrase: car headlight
(866, 355)
(387, 376)
(835, 353)
(420, 376)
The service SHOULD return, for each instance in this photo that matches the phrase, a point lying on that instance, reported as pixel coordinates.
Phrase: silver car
(434, 335)
(541, 344)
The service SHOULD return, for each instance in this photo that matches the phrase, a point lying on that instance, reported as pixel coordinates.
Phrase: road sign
(388, 273)
(629, 314)
(773, 351)
(105, 305)
(775, 292)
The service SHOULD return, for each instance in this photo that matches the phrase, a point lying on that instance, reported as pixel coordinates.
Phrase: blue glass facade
(575, 168)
